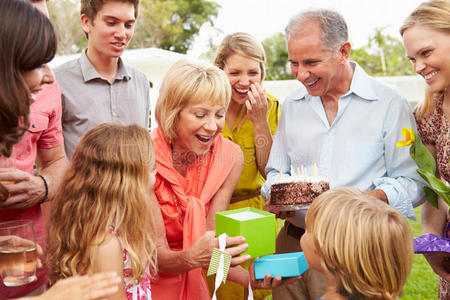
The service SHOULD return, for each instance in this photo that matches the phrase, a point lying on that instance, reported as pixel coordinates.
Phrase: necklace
(197, 192)
(199, 169)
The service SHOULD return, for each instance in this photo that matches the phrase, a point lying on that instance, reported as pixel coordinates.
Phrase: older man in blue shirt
(345, 122)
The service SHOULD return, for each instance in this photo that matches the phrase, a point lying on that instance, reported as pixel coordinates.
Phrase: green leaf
(422, 156)
(430, 196)
(412, 151)
(436, 185)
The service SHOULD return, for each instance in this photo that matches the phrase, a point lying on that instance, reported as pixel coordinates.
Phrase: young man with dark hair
(98, 87)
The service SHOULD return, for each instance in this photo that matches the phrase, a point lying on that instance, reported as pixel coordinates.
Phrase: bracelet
(46, 189)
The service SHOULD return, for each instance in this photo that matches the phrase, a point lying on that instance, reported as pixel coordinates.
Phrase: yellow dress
(249, 183)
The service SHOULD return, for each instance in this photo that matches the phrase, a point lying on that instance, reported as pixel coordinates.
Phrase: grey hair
(333, 25)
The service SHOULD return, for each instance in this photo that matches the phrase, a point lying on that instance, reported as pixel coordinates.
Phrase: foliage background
(166, 24)
(174, 24)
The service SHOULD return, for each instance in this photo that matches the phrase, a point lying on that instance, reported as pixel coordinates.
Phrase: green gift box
(257, 226)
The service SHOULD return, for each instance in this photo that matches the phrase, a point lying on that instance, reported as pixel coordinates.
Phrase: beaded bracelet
(46, 189)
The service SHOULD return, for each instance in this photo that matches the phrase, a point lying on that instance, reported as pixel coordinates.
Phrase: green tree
(383, 55)
(166, 24)
(172, 24)
(210, 55)
(276, 57)
(65, 15)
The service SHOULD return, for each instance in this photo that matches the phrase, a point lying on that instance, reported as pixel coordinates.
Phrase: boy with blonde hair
(363, 246)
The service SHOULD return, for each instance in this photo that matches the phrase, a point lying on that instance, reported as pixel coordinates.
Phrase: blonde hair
(189, 82)
(246, 45)
(426, 107)
(434, 14)
(363, 241)
(243, 44)
(106, 184)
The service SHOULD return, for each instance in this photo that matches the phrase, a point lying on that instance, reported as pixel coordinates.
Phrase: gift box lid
(283, 265)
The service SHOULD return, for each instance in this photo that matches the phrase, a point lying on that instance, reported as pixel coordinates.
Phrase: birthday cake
(297, 189)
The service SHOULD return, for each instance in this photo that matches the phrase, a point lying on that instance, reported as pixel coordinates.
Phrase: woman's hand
(18, 241)
(199, 255)
(256, 104)
(440, 263)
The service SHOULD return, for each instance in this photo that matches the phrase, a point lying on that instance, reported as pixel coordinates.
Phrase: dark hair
(27, 41)
(91, 7)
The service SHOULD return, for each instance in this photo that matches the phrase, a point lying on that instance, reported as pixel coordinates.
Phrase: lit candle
(281, 173)
(315, 170)
(298, 171)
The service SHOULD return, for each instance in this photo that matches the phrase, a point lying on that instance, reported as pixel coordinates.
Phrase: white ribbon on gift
(221, 269)
(250, 292)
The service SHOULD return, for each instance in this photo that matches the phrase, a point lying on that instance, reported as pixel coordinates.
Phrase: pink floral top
(434, 130)
(135, 290)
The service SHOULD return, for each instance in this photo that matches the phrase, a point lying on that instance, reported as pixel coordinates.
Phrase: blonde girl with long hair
(101, 219)
(426, 37)
(362, 245)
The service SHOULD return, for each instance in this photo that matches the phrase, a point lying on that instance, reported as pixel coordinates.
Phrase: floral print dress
(134, 290)
(434, 130)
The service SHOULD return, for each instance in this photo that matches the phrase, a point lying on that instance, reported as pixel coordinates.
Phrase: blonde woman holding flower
(426, 36)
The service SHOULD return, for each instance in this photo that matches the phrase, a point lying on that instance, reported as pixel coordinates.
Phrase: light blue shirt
(357, 150)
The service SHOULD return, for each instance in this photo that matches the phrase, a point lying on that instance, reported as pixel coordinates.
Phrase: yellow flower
(409, 137)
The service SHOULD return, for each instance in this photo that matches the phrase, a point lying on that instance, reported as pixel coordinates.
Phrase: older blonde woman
(197, 170)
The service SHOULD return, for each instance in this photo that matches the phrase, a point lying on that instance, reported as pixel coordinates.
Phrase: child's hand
(89, 287)
(268, 282)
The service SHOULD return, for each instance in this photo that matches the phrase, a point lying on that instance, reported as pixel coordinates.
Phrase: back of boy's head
(362, 241)
(91, 7)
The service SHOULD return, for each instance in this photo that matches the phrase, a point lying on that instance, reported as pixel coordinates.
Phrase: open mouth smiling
(311, 82)
(203, 138)
(430, 75)
(241, 91)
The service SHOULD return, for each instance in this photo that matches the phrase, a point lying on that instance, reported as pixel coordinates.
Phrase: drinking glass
(18, 252)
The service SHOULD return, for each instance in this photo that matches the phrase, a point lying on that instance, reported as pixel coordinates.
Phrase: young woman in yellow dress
(251, 121)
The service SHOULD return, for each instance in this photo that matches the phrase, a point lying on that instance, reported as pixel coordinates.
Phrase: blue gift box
(283, 265)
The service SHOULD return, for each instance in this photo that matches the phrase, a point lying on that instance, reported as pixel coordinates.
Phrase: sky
(263, 18)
